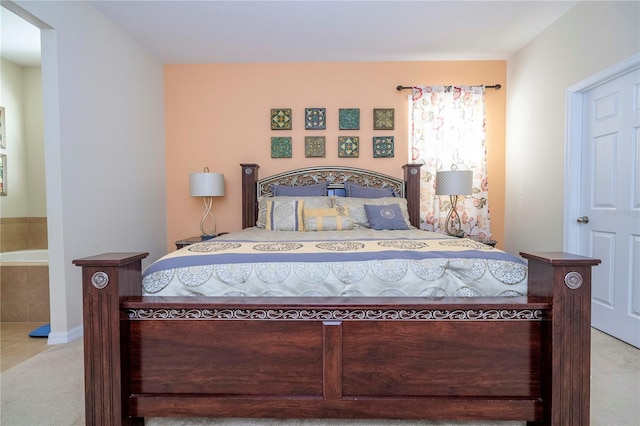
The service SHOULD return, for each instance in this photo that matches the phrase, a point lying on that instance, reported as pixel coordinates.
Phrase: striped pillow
(327, 219)
(284, 215)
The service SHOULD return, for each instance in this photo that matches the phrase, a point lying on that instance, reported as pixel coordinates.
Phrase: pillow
(327, 219)
(385, 217)
(358, 213)
(284, 215)
(299, 191)
(308, 202)
(357, 191)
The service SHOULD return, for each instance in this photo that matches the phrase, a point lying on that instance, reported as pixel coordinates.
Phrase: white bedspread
(256, 262)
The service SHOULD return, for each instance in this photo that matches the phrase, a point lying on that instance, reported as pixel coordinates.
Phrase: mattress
(356, 263)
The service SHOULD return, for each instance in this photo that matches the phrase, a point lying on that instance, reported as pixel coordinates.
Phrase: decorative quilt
(257, 262)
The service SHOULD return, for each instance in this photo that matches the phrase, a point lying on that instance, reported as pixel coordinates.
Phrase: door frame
(574, 123)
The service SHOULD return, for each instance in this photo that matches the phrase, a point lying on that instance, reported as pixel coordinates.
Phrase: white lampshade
(206, 184)
(454, 182)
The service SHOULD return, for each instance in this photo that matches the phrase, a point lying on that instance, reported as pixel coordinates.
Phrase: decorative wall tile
(383, 118)
(383, 146)
(314, 146)
(349, 118)
(281, 147)
(315, 118)
(281, 119)
(348, 146)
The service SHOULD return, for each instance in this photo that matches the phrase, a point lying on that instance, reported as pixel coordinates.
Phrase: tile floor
(16, 345)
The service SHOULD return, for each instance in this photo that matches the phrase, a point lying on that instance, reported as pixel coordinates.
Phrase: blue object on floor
(42, 331)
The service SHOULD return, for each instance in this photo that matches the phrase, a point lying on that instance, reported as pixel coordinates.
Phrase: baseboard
(65, 337)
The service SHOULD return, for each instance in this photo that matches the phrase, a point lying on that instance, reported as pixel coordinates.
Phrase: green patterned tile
(281, 147)
(349, 118)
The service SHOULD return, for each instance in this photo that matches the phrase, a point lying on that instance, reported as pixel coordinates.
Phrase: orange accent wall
(218, 116)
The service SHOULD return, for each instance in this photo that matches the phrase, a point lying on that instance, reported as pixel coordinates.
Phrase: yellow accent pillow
(327, 219)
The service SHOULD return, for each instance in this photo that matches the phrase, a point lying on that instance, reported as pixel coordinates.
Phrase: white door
(610, 203)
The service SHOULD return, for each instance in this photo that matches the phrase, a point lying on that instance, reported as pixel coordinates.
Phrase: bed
(228, 334)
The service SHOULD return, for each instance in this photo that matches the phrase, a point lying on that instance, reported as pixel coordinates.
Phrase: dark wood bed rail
(560, 289)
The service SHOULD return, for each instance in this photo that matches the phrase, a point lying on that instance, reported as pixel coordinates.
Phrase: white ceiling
(216, 31)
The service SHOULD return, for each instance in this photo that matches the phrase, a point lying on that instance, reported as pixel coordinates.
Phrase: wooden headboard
(336, 176)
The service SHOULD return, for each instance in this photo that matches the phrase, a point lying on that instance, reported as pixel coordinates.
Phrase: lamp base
(205, 237)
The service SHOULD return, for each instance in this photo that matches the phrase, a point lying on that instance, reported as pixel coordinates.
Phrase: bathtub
(24, 257)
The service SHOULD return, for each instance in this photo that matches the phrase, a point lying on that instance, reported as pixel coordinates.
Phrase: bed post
(249, 196)
(412, 189)
(105, 279)
(564, 280)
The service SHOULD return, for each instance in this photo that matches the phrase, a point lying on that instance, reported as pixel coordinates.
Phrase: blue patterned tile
(383, 146)
(315, 118)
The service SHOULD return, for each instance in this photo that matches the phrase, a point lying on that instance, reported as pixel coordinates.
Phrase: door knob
(583, 219)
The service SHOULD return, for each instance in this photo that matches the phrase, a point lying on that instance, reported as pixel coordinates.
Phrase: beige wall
(591, 37)
(218, 115)
(22, 98)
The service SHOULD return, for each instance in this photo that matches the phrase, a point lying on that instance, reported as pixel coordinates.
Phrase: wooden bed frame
(522, 358)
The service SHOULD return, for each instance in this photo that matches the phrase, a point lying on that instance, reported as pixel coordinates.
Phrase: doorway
(602, 193)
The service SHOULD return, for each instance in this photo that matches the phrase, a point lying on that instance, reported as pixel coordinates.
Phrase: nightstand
(192, 240)
(486, 241)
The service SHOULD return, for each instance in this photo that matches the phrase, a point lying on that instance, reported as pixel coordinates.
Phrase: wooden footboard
(524, 358)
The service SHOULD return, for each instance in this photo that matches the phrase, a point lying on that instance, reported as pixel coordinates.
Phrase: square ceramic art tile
(315, 118)
(349, 118)
(281, 147)
(383, 146)
(281, 119)
(314, 146)
(383, 118)
(348, 146)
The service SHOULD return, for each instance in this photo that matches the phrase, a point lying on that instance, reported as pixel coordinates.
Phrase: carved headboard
(336, 176)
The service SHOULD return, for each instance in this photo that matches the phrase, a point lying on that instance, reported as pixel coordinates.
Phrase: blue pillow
(357, 191)
(299, 191)
(387, 216)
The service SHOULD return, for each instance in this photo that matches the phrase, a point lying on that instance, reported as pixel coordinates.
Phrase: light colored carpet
(48, 390)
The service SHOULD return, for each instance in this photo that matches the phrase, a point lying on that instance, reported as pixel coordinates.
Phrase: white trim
(65, 337)
(573, 148)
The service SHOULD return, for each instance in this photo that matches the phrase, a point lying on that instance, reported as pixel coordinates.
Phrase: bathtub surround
(24, 293)
(23, 233)
(24, 286)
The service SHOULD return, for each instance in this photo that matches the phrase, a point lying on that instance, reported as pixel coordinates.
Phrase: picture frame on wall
(3, 139)
(3, 174)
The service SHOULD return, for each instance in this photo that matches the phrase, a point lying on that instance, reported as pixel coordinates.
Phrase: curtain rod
(495, 86)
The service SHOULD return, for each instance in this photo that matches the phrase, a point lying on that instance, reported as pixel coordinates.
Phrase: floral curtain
(447, 132)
